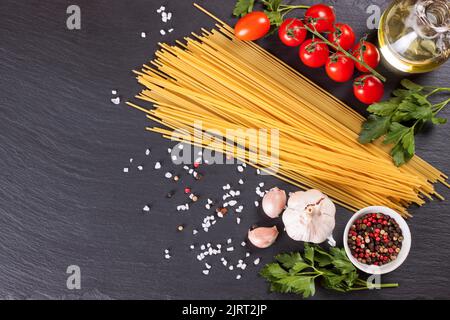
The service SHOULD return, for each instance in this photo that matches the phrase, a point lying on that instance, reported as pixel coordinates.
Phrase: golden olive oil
(414, 35)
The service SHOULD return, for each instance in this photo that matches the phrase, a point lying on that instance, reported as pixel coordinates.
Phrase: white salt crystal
(229, 241)
(168, 175)
(240, 168)
(146, 208)
(167, 256)
(140, 168)
(113, 91)
(238, 277)
(207, 266)
(147, 152)
(162, 32)
(238, 220)
(230, 249)
(241, 181)
(205, 272)
(256, 204)
(256, 262)
(157, 165)
(125, 170)
(231, 267)
(243, 243)
(261, 184)
(143, 34)
(115, 100)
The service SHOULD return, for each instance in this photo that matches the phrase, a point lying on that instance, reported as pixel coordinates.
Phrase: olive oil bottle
(414, 35)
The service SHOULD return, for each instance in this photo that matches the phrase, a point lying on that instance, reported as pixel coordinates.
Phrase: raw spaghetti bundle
(227, 83)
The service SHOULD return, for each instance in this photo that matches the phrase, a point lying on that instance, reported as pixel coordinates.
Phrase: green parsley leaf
(437, 120)
(292, 274)
(384, 108)
(274, 17)
(396, 133)
(373, 128)
(243, 7)
(408, 84)
(288, 260)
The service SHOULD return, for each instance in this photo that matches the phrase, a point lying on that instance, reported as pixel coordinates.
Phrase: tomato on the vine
(342, 36)
(292, 32)
(368, 89)
(321, 17)
(314, 53)
(368, 53)
(340, 67)
(252, 26)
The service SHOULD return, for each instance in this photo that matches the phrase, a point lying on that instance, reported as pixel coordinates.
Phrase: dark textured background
(65, 200)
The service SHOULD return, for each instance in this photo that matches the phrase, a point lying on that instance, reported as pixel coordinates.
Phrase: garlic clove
(263, 237)
(274, 202)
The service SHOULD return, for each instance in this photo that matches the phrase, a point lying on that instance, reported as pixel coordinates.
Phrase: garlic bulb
(263, 237)
(274, 202)
(309, 216)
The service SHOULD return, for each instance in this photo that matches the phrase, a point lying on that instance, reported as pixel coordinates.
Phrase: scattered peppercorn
(375, 239)
(170, 194)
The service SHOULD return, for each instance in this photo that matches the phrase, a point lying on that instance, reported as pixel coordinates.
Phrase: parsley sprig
(401, 117)
(297, 273)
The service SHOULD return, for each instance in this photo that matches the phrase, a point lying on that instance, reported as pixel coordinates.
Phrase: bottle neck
(434, 16)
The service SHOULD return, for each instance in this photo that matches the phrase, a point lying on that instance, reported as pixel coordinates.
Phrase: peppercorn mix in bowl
(377, 240)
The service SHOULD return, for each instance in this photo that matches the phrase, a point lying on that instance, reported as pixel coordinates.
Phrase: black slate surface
(63, 196)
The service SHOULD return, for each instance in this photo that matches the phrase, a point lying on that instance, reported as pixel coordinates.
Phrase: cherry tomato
(368, 53)
(314, 53)
(292, 32)
(342, 35)
(368, 89)
(322, 17)
(340, 67)
(252, 26)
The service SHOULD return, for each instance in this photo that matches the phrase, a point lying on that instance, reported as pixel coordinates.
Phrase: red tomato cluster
(315, 53)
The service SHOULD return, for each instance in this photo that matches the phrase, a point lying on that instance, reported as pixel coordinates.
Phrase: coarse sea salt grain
(113, 91)
(125, 170)
(205, 272)
(168, 175)
(232, 203)
(192, 247)
(258, 171)
(229, 249)
(170, 30)
(146, 208)
(240, 168)
(238, 277)
(256, 262)
(207, 266)
(241, 181)
(229, 240)
(231, 268)
(238, 220)
(157, 165)
(143, 34)
(162, 32)
(256, 204)
(140, 168)
(247, 254)
(261, 184)
(115, 100)
(147, 152)
(167, 256)
(243, 243)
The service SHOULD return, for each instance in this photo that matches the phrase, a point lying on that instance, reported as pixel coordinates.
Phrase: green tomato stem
(339, 48)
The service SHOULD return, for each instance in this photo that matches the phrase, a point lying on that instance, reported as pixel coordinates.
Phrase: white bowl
(404, 251)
